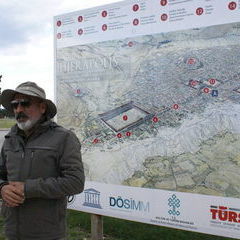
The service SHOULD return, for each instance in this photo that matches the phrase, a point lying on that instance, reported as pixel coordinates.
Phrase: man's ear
(43, 107)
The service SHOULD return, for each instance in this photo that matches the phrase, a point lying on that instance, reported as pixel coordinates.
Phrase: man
(40, 165)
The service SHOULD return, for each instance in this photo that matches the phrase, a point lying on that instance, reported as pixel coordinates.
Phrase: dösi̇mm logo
(92, 198)
(225, 214)
(128, 204)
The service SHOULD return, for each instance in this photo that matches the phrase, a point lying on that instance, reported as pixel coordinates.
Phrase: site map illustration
(158, 111)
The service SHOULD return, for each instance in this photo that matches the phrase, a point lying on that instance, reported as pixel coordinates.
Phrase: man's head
(28, 102)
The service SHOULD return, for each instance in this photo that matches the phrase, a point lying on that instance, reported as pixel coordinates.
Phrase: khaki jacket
(50, 164)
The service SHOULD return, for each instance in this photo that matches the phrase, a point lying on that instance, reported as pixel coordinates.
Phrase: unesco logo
(92, 198)
(174, 204)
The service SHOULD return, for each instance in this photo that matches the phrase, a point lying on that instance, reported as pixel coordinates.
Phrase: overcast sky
(26, 39)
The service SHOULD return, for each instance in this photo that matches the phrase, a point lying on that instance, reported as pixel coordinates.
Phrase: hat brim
(8, 95)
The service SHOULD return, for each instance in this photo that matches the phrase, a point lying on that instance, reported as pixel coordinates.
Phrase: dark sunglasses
(23, 103)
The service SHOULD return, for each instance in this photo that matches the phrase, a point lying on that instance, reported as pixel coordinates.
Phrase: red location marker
(80, 18)
(130, 44)
(96, 140)
(78, 91)
(212, 81)
(135, 22)
(128, 134)
(193, 83)
(163, 2)
(232, 5)
(119, 135)
(206, 90)
(175, 106)
(155, 119)
(191, 61)
(80, 31)
(104, 13)
(59, 35)
(164, 17)
(104, 27)
(59, 23)
(199, 11)
(125, 117)
(135, 7)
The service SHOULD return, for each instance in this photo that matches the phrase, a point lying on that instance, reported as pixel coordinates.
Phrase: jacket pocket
(43, 162)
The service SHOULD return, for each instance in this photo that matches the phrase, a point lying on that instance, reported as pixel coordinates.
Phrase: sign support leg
(96, 227)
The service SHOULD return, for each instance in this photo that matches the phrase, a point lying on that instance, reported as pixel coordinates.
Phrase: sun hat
(29, 89)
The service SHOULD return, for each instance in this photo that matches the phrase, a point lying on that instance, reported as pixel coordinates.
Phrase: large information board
(152, 90)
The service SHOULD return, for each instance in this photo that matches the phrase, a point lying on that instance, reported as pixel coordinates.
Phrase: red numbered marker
(164, 17)
(104, 27)
(232, 5)
(135, 7)
(96, 140)
(193, 83)
(130, 44)
(128, 134)
(59, 23)
(163, 2)
(191, 61)
(206, 90)
(59, 35)
(125, 117)
(175, 106)
(199, 11)
(80, 18)
(80, 31)
(104, 13)
(135, 22)
(155, 119)
(119, 135)
(212, 81)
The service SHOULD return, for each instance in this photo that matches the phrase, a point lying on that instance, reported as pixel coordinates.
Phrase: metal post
(96, 227)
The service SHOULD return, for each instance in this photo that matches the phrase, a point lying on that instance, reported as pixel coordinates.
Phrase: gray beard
(25, 126)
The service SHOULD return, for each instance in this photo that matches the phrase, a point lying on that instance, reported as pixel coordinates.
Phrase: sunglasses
(23, 103)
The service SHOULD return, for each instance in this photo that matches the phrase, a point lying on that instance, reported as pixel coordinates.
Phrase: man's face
(28, 110)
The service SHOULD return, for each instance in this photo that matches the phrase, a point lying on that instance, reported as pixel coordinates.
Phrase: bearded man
(40, 165)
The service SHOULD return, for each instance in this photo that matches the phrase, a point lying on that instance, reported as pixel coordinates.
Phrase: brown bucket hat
(29, 89)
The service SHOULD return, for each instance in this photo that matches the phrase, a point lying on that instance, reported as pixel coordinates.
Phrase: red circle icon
(232, 5)
(164, 17)
(212, 81)
(130, 44)
(135, 7)
(163, 2)
(104, 27)
(59, 35)
(104, 13)
(191, 61)
(155, 119)
(59, 23)
(80, 18)
(175, 106)
(125, 117)
(96, 140)
(119, 135)
(128, 134)
(199, 11)
(206, 90)
(80, 31)
(135, 22)
(78, 91)
(193, 83)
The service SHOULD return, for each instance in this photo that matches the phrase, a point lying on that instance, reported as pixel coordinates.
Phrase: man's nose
(19, 108)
